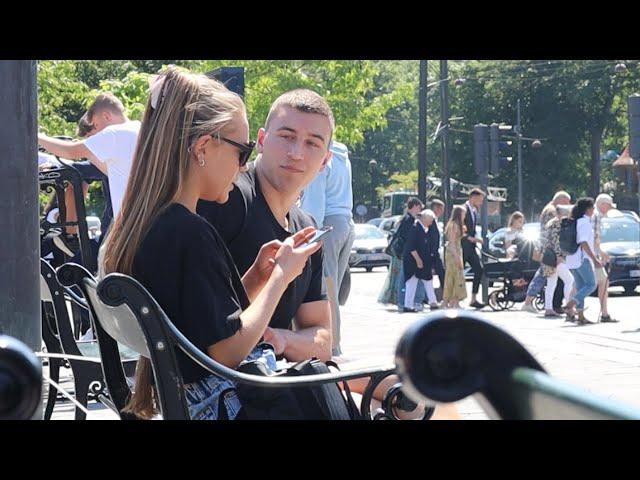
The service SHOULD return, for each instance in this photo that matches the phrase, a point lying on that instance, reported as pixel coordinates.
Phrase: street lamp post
(444, 110)
(519, 134)
(535, 143)
(422, 133)
(372, 166)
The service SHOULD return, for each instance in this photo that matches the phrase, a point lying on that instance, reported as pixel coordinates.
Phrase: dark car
(620, 239)
(368, 248)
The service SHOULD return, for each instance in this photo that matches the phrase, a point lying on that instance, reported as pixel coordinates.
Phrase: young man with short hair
(414, 207)
(110, 148)
(469, 242)
(437, 207)
(293, 147)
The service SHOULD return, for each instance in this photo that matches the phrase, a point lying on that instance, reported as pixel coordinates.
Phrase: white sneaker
(528, 308)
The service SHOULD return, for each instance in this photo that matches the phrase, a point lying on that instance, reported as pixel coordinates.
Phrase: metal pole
(422, 133)
(19, 242)
(444, 110)
(481, 165)
(484, 184)
(519, 133)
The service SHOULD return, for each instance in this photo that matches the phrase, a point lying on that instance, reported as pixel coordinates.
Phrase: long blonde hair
(456, 220)
(187, 107)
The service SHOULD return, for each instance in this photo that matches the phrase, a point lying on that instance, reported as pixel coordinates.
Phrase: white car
(368, 248)
(93, 226)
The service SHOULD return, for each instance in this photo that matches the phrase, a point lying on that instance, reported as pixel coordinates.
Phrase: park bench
(444, 357)
(124, 312)
(83, 357)
(57, 179)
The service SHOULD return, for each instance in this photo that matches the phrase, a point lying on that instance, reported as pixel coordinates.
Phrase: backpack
(568, 236)
(399, 239)
(322, 402)
(396, 246)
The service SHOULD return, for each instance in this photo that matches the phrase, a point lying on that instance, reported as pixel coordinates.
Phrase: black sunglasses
(245, 150)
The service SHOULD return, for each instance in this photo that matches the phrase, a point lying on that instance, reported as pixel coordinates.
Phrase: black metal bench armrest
(111, 293)
(81, 302)
(450, 355)
(212, 366)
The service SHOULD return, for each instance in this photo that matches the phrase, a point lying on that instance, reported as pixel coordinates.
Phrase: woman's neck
(188, 193)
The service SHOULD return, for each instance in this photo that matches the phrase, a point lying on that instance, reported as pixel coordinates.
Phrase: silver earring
(201, 160)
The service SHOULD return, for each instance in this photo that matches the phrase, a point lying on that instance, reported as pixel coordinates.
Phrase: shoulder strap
(354, 412)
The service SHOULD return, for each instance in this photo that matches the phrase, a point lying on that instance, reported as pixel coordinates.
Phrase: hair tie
(156, 82)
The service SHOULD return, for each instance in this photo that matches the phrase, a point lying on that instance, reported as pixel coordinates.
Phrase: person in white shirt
(110, 148)
(582, 262)
(329, 200)
(604, 203)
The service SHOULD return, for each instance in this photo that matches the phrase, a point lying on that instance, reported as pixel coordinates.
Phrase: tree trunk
(596, 141)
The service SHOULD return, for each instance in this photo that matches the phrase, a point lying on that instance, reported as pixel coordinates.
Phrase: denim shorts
(536, 284)
(206, 396)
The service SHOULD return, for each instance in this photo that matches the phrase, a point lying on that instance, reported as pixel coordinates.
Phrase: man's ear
(326, 159)
(107, 115)
(260, 140)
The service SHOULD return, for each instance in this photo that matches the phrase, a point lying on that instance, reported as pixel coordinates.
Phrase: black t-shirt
(246, 223)
(186, 267)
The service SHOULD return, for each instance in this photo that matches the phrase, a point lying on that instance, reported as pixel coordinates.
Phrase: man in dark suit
(469, 242)
(437, 207)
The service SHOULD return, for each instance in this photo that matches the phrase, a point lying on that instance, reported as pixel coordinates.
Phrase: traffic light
(497, 162)
(230, 77)
(634, 126)
(481, 148)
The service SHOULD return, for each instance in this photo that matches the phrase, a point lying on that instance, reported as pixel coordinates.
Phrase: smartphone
(317, 236)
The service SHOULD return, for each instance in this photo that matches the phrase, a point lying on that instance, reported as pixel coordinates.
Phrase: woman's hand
(265, 261)
(275, 337)
(292, 255)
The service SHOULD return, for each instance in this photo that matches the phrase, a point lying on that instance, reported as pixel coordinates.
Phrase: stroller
(515, 275)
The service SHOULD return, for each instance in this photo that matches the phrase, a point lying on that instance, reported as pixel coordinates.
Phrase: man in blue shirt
(329, 200)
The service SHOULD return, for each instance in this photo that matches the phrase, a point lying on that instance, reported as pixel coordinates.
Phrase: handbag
(396, 246)
(322, 402)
